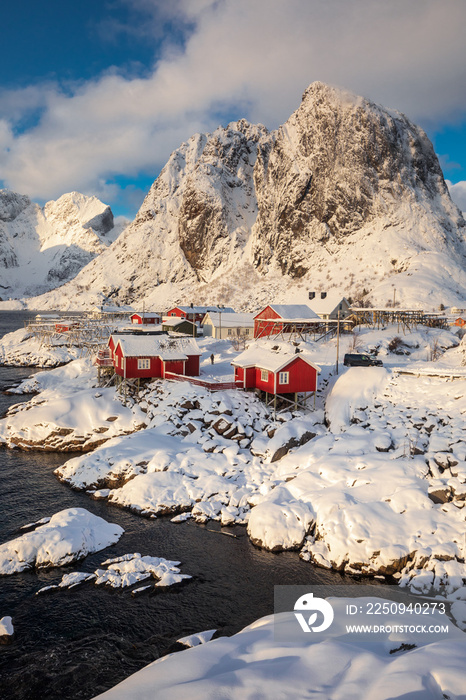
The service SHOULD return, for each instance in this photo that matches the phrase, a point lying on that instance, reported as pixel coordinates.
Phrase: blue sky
(95, 95)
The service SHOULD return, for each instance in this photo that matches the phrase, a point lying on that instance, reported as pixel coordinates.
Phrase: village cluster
(370, 481)
(164, 346)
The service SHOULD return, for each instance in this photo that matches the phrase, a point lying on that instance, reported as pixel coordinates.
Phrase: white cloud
(458, 193)
(253, 59)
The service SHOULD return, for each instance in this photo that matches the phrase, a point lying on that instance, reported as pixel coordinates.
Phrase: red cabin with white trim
(275, 372)
(143, 357)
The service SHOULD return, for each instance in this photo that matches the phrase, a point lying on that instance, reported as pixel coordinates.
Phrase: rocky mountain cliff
(41, 248)
(345, 194)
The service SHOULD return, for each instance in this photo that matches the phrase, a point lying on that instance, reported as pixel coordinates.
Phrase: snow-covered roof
(230, 320)
(205, 309)
(328, 304)
(266, 358)
(157, 346)
(145, 314)
(292, 312)
(175, 321)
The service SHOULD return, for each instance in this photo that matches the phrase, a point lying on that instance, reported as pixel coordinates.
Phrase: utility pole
(338, 337)
(193, 320)
(220, 320)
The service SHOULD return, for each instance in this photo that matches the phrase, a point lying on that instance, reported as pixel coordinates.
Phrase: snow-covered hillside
(345, 194)
(41, 248)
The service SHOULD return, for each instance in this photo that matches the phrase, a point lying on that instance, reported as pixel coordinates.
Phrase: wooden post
(275, 407)
(338, 338)
(295, 400)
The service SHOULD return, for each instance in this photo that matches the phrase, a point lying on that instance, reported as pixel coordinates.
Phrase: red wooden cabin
(197, 311)
(148, 356)
(146, 318)
(275, 372)
(284, 318)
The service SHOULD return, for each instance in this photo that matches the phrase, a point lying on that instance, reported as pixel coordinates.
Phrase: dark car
(360, 360)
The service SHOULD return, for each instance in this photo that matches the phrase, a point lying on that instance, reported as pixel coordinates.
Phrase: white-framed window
(246, 331)
(230, 331)
(144, 363)
(264, 375)
(284, 378)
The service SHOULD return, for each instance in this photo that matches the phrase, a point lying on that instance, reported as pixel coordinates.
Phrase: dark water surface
(76, 644)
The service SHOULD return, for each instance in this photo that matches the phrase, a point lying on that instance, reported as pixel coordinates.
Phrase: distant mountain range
(345, 195)
(43, 247)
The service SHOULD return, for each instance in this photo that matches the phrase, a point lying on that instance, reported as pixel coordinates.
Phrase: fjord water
(77, 643)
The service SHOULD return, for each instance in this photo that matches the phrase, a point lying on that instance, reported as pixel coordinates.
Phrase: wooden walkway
(211, 384)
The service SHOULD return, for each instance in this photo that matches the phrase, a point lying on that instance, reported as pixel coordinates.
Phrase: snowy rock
(70, 535)
(279, 526)
(7, 631)
(66, 416)
(289, 435)
(440, 494)
(125, 571)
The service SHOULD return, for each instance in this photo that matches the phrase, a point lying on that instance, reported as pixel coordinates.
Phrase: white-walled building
(228, 325)
(328, 304)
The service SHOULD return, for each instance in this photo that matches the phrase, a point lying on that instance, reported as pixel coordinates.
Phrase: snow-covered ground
(255, 664)
(372, 481)
(68, 536)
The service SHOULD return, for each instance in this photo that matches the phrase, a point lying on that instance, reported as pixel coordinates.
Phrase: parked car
(360, 360)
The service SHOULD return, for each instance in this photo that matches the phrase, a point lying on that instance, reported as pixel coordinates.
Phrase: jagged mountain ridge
(41, 248)
(344, 194)
(336, 166)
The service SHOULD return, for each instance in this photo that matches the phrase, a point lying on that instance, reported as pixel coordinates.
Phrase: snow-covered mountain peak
(344, 195)
(41, 248)
(75, 208)
(12, 204)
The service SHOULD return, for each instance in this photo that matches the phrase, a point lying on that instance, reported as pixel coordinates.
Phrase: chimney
(312, 295)
(323, 295)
